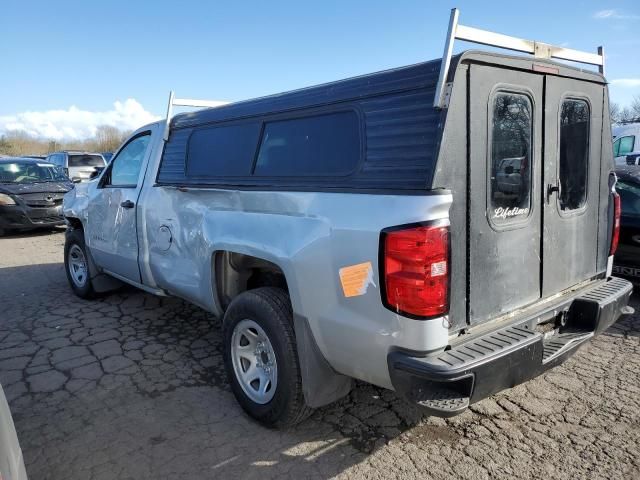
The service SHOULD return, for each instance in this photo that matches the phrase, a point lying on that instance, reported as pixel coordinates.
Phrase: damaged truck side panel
(353, 231)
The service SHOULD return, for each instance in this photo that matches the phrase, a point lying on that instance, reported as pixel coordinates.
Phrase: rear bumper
(484, 364)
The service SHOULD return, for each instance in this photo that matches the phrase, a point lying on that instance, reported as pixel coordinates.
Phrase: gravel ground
(131, 386)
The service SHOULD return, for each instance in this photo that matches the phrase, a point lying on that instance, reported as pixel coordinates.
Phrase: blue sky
(88, 54)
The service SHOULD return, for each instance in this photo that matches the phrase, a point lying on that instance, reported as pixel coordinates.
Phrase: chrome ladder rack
(485, 37)
(186, 102)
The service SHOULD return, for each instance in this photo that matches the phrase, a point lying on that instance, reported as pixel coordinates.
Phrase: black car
(31, 194)
(627, 260)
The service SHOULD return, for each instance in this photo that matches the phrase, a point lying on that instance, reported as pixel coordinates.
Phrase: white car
(626, 142)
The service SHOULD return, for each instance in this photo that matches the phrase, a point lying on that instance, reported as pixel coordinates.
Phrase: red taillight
(416, 270)
(615, 236)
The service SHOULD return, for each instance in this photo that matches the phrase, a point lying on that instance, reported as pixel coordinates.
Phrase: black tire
(84, 290)
(270, 308)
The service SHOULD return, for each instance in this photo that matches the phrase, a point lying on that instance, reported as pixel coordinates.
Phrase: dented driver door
(111, 230)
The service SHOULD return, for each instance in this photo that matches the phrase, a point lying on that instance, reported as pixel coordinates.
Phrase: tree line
(16, 143)
(628, 114)
(108, 138)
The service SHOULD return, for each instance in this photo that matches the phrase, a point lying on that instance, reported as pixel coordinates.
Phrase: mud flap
(321, 384)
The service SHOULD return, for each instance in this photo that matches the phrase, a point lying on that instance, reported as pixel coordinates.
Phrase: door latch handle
(127, 204)
(551, 189)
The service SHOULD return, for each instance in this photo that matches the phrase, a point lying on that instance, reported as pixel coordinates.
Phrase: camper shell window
(325, 145)
(222, 151)
(574, 153)
(510, 158)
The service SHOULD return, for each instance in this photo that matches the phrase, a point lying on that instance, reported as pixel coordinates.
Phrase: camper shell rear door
(534, 186)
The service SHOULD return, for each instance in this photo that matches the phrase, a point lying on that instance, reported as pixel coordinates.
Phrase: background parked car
(626, 143)
(78, 166)
(627, 259)
(633, 159)
(31, 194)
(510, 174)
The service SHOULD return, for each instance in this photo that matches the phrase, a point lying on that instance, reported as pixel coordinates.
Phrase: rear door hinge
(448, 87)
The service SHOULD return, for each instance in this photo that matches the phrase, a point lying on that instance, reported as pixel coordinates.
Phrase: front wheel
(261, 358)
(77, 265)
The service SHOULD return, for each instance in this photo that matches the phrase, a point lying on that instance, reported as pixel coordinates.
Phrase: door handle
(127, 204)
(551, 189)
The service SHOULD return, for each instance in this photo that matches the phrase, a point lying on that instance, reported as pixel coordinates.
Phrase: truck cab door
(111, 229)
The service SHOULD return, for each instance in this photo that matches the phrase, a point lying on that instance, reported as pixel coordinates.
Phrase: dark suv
(627, 260)
(31, 194)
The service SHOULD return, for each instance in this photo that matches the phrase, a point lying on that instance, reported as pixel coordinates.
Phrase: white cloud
(614, 14)
(76, 124)
(626, 82)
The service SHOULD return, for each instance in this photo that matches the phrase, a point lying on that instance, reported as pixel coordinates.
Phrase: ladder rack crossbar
(187, 102)
(492, 39)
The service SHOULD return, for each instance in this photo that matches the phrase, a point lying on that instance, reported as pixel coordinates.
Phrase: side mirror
(96, 173)
(76, 180)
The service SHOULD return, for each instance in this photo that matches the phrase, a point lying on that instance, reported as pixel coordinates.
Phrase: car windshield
(30, 172)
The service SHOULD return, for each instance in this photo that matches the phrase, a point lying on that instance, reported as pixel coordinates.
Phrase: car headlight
(6, 200)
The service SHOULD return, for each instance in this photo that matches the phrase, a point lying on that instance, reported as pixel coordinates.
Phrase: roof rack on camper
(456, 31)
(186, 102)
(485, 37)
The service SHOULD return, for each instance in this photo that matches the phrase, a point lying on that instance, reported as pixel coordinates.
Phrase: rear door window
(510, 168)
(323, 145)
(86, 161)
(574, 153)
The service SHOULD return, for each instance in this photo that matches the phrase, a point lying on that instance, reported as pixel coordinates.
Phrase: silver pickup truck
(362, 229)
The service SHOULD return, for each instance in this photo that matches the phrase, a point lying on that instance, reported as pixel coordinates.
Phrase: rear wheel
(77, 265)
(261, 358)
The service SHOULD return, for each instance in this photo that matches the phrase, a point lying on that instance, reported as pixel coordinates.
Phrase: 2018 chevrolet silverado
(365, 229)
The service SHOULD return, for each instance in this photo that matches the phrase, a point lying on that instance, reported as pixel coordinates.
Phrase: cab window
(125, 167)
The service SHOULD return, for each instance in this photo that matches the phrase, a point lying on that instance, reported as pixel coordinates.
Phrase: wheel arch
(237, 271)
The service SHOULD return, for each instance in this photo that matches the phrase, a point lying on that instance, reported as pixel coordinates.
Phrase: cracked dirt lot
(131, 386)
